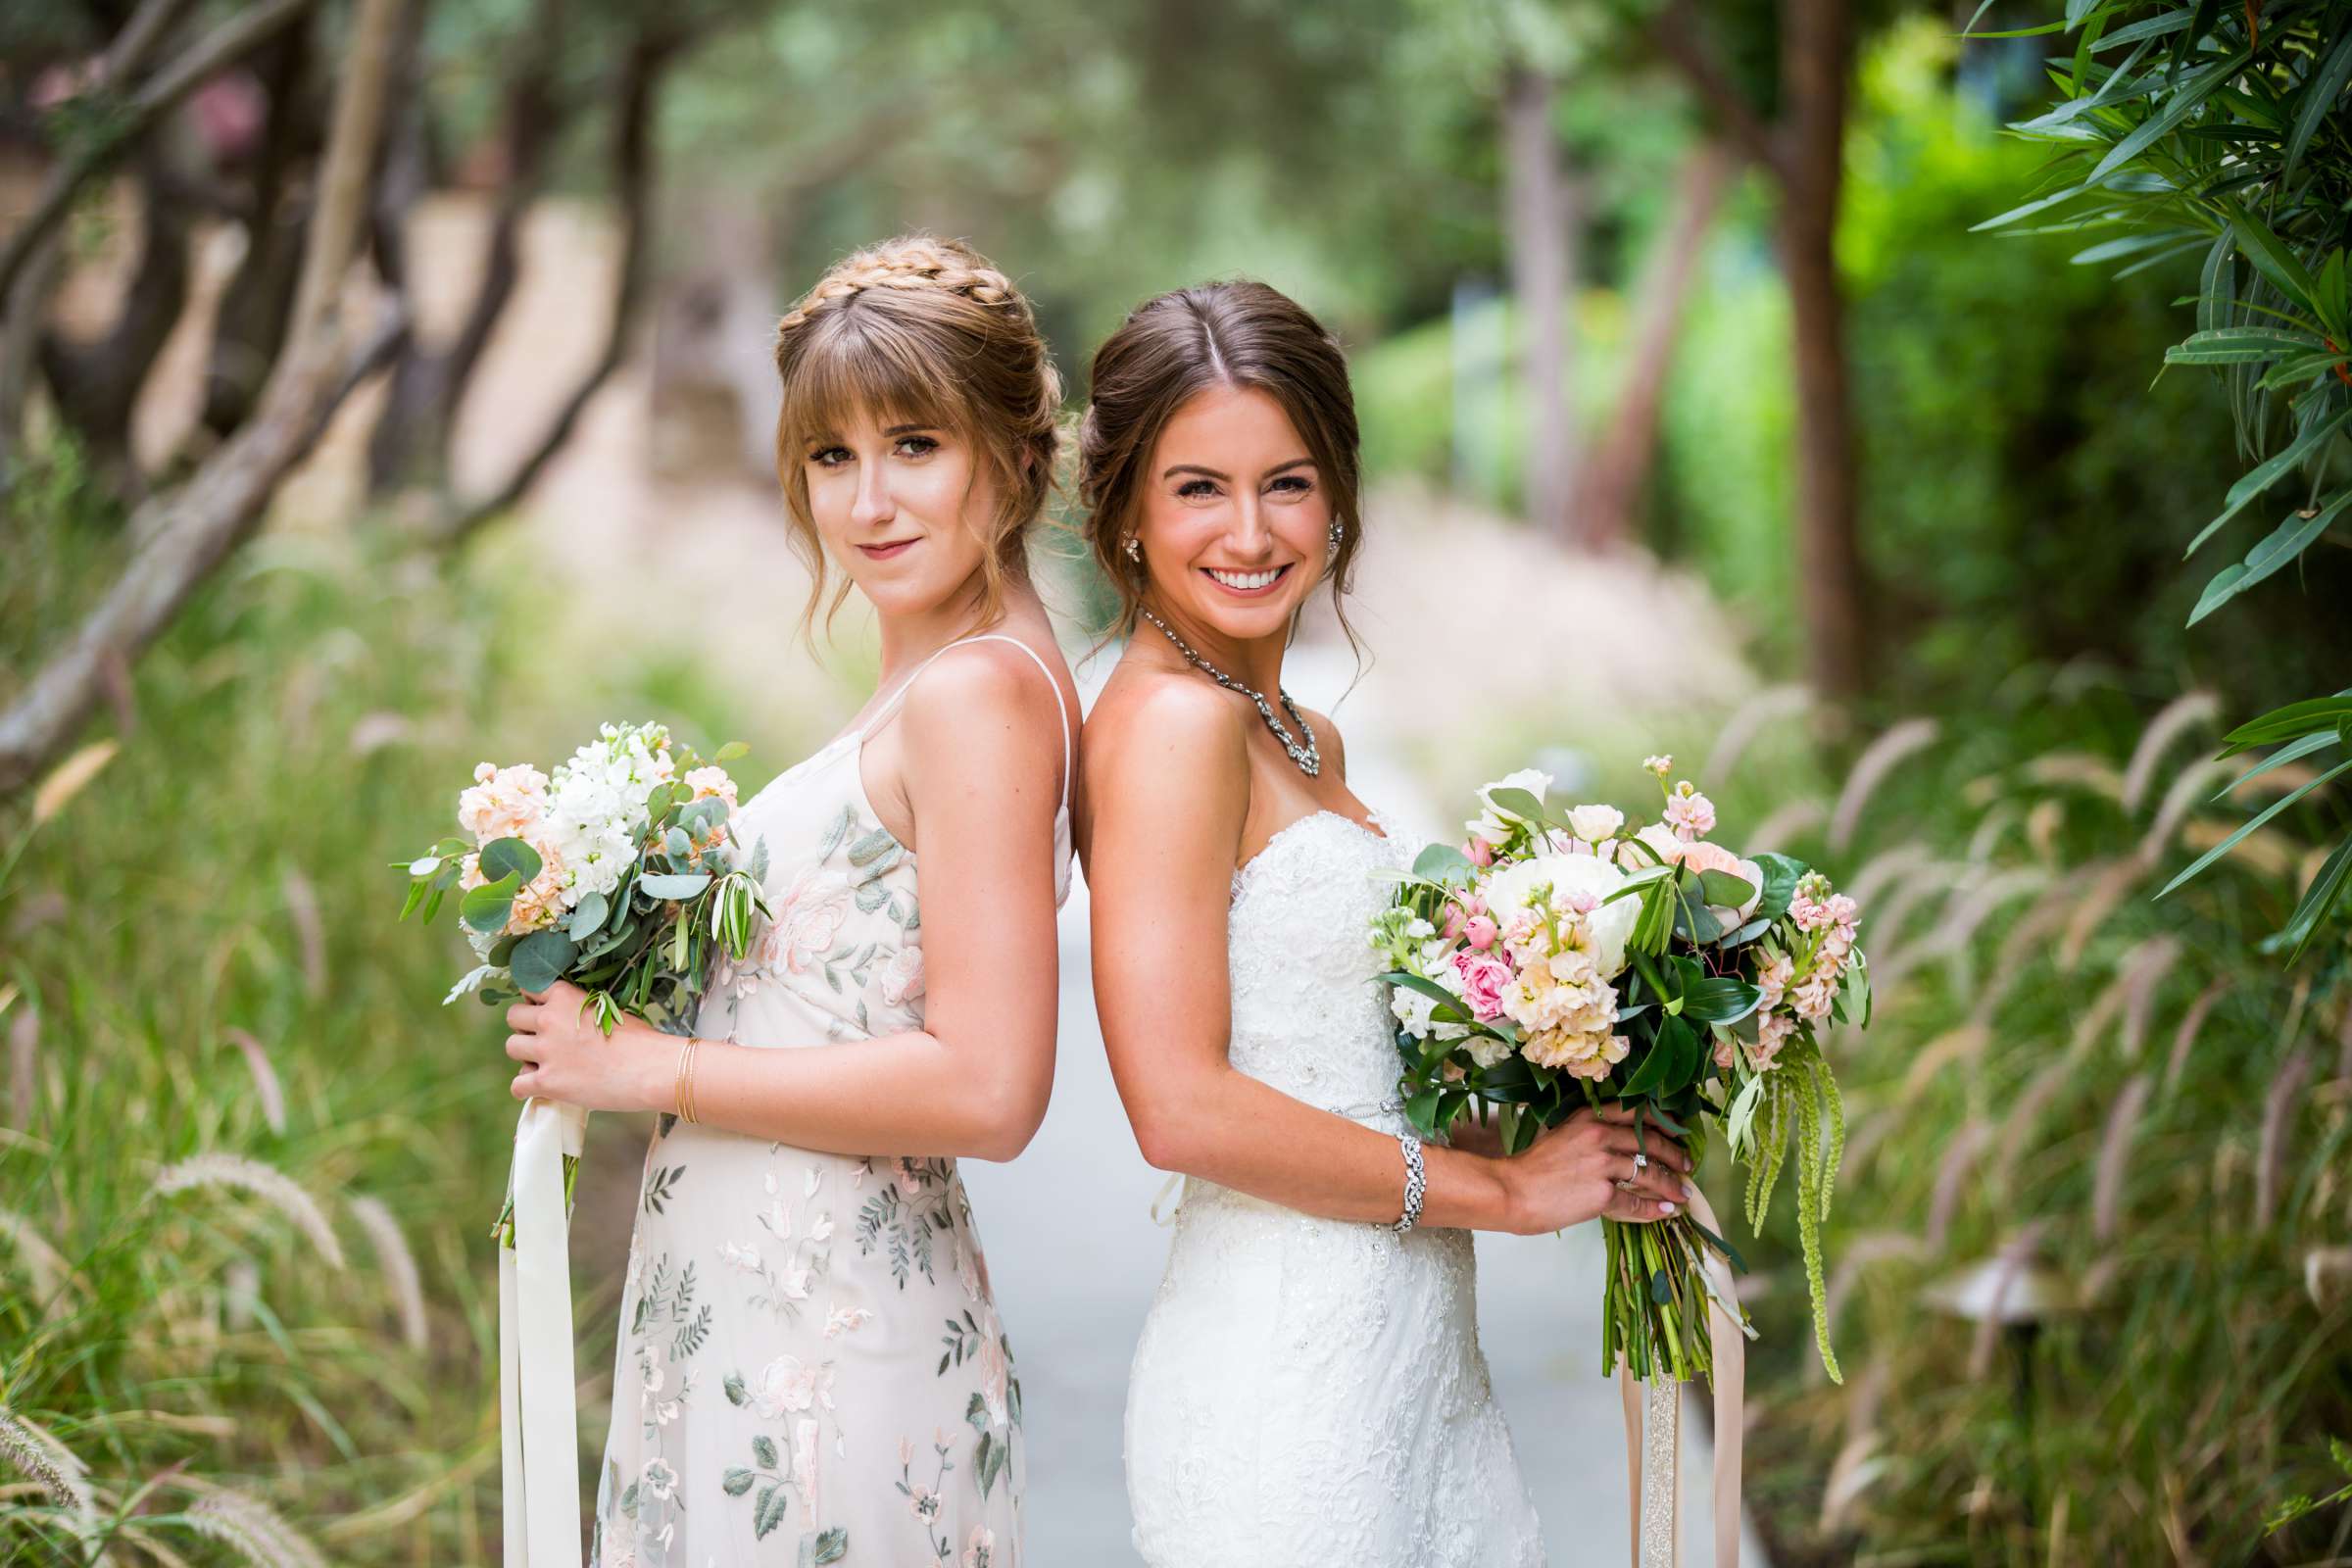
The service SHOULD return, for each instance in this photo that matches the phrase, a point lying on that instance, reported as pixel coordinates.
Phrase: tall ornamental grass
(240, 1318)
(2094, 1295)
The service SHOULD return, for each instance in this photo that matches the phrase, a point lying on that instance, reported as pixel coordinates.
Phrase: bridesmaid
(811, 1368)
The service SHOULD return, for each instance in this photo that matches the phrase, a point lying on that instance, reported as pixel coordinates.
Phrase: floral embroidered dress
(811, 1369)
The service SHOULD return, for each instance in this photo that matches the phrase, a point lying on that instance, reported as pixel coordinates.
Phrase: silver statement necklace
(1308, 759)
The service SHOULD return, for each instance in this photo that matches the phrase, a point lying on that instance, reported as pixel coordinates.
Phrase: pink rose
(1483, 978)
(1480, 851)
(1706, 856)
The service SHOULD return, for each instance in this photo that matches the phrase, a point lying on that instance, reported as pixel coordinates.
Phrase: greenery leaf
(1442, 862)
(503, 855)
(2230, 842)
(2283, 545)
(2277, 467)
(541, 958)
(684, 886)
(2284, 723)
(486, 908)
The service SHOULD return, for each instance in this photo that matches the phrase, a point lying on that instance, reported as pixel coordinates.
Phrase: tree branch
(632, 179)
(229, 42)
(1681, 38)
(190, 531)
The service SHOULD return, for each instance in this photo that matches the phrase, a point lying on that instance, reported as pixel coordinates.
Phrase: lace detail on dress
(1311, 1390)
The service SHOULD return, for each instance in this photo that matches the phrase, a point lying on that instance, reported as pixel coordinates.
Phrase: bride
(1308, 1386)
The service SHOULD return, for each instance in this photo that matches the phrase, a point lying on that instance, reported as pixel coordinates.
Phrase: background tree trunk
(1539, 221)
(410, 446)
(1816, 64)
(1618, 470)
(632, 174)
(251, 328)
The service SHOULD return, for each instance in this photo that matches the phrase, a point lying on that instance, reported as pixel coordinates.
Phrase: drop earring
(1332, 552)
(1134, 548)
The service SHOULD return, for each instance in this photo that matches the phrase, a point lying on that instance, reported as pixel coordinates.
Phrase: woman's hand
(1576, 1171)
(566, 1057)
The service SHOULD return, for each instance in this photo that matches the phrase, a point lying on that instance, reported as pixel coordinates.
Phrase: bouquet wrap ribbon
(1653, 1436)
(538, 1421)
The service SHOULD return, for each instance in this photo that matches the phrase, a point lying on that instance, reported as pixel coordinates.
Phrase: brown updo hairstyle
(1232, 334)
(921, 330)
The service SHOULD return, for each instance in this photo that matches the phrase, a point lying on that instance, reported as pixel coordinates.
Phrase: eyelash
(832, 457)
(1190, 489)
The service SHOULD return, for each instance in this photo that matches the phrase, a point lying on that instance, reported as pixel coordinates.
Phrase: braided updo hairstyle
(921, 330)
(1238, 334)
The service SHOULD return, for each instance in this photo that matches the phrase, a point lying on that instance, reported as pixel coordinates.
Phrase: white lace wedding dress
(1311, 1391)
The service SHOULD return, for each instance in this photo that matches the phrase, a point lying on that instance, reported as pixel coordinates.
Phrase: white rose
(1487, 1051)
(1493, 824)
(1592, 823)
(1513, 888)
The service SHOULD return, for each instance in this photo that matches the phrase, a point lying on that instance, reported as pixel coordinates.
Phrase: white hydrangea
(597, 804)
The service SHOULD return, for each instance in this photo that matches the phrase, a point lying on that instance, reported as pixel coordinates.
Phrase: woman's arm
(982, 772)
(1168, 780)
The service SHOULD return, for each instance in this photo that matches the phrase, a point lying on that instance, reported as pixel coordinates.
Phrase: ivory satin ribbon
(538, 1423)
(1652, 1483)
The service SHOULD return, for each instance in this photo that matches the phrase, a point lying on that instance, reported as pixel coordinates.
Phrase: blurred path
(1082, 1193)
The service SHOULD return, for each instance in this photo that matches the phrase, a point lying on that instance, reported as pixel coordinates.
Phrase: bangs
(859, 362)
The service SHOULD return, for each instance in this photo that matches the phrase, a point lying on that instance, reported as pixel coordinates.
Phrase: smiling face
(900, 507)
(1232, 515)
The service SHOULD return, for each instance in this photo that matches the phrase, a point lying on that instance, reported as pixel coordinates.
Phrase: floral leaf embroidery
(769, 1510)
(660, 1186)
(872, 847)
(834, 834)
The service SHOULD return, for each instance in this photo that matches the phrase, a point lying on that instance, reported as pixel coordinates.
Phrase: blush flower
(1483, 978)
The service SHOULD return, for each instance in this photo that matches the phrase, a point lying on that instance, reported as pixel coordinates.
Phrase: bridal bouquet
(618, 872)
(1565, 957)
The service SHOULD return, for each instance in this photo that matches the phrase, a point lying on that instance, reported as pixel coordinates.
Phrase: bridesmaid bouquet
(1563, 958)
(618, 872)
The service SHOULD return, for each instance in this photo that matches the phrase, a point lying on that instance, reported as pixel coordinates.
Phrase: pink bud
(1479, 852)
(1453, 921)
(1481, 930)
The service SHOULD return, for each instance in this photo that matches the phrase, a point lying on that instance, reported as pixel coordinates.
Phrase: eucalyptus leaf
(541, 958)
(684, 886)
(589, 912)
(503, 855)
(1442, 862)
(487, 907)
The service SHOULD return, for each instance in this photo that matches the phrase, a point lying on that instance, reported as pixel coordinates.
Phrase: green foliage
(2219, 134)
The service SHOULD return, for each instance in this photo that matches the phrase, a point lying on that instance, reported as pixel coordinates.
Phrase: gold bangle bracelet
(694, 1051)
(679, 1089)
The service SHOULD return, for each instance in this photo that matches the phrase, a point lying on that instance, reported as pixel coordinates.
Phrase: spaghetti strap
(1062, 707)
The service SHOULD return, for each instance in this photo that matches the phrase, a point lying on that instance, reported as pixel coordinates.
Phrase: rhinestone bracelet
(1415, 1182)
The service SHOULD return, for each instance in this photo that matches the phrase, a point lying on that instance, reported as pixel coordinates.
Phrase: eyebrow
(908, 429)
(1176, 469)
